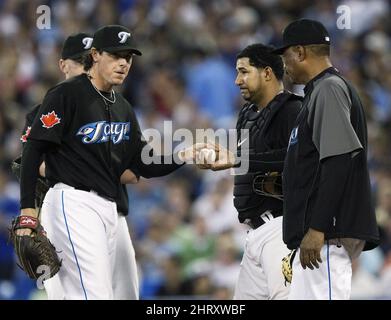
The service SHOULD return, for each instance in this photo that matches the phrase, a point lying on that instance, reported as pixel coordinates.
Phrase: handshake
(208, 156)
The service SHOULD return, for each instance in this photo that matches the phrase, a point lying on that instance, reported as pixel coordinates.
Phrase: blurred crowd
(184, 227)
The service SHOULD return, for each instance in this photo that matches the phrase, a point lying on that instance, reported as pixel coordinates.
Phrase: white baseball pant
(261, 275)
(332, 281)
(98, 259)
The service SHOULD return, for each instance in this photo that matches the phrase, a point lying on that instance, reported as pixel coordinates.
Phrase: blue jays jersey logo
(293, 138)
(102, 131)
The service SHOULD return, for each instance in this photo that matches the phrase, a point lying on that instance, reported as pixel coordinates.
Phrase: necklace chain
(105, 98)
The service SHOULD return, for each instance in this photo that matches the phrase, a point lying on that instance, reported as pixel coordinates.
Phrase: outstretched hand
(225, 159)
(191, 154)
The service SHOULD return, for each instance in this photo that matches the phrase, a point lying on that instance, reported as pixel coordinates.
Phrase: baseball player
(268, 117)
(328, 214)
(90, 135)
(74, 51)
(71, 64)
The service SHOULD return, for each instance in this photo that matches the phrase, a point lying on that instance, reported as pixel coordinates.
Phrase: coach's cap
(113, 38)
(76, 45)
(303, 32)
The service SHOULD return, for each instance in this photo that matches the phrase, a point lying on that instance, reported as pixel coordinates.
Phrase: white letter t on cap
(87, 41)
(123, 35)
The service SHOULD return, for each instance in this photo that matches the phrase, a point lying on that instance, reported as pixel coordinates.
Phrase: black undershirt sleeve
(31, 160)
(333, 175)
(264, 161)
(161, 165)
(154, 165)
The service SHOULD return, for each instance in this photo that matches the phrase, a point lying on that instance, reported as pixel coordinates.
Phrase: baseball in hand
(207, 156)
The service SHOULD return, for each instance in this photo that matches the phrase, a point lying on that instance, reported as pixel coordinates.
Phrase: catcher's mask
(269, 184)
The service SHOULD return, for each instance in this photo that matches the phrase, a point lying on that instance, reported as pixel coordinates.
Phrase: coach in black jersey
(263, 128)
(328, 214)
(90, 135)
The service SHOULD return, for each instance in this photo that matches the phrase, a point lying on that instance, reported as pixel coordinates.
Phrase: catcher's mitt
(41, 188)
(269, 184)
(287, 266)
(35, 252)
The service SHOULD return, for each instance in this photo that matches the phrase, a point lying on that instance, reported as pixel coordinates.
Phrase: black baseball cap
(76, 45)
(303, 32)
(113, 38)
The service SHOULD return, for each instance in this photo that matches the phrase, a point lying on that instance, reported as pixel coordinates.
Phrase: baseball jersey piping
(328, 269)
(73, 248)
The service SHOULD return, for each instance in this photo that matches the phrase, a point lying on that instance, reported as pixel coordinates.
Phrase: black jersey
(95, 137)
(330, 126)
(268, 135)
(96, 140)
(122, 200)
(30, 116)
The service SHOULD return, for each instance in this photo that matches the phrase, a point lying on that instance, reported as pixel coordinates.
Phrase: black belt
(257, 221)
(82, 188)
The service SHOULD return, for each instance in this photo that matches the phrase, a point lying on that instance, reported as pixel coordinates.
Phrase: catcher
(266, 121)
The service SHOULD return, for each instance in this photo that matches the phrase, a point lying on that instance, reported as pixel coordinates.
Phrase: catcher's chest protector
(256, 124)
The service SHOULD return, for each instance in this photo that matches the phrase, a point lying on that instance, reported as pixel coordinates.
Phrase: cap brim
(123, 48)
(280, 51)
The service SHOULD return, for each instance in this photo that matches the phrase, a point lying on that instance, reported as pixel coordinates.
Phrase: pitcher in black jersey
(267, 119)
(89, 135)
(75, 49)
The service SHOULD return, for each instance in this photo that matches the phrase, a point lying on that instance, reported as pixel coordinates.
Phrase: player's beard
(292, 77)
(247, 95)
(252, 97)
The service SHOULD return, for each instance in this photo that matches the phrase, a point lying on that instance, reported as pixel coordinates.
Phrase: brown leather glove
(34, 251)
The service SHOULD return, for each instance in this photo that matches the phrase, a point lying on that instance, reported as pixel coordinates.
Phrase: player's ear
(94, 54)
(301, 53)
(268, 73)
(62, 65)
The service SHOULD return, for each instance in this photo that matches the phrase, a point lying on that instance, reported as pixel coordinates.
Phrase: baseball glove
(287, 266)
(269, 184)
(35, 252)
(41, 188)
